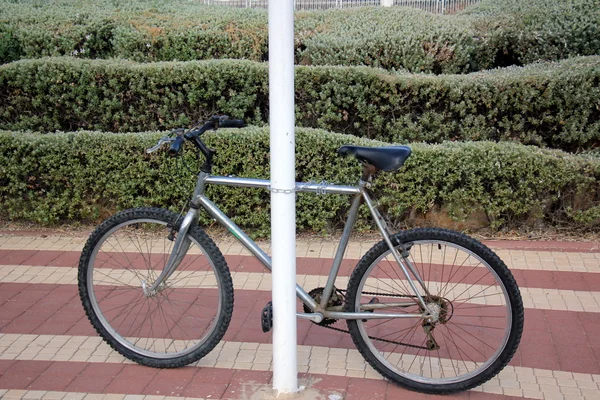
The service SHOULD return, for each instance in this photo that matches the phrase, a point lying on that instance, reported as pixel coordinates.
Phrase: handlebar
(232, 123)
(176, 146)
(193, 135)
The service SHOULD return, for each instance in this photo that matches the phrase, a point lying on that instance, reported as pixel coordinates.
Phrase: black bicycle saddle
(388, 158)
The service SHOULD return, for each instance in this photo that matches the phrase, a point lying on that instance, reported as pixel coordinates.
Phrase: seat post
(368, 172)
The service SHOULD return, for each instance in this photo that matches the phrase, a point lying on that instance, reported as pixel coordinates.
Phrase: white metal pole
(283, 196)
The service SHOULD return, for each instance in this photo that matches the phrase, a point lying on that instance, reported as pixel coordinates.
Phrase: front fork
(180, 248)
(182, 243)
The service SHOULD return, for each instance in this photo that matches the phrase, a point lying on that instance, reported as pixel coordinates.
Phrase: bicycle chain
(371, 337)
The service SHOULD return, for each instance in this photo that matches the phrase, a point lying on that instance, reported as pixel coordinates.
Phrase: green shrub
(496, 33)
(10, 47)
(136, 29)
(526, 31)
(551, 104)
(38, 28)
(48, 178)
(70, 94)
(397, 38)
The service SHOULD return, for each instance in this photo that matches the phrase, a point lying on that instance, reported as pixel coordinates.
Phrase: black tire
(478, 303)
(178, 324)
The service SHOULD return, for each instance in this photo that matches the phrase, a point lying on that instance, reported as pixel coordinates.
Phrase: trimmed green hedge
(550, 104)
(48, 178)
(525, 31)
(392, 38)
(497, 33)
(181, 30)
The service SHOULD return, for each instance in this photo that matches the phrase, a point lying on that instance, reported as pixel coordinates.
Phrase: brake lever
(161, 141)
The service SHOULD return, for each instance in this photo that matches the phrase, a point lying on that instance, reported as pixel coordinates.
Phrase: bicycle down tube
(360, 195)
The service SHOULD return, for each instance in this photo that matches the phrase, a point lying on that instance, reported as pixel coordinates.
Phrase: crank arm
(314, 317)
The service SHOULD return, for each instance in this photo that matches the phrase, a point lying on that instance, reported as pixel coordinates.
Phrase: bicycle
(430, 309)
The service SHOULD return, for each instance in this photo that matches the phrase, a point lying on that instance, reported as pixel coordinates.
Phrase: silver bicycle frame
(360, 195)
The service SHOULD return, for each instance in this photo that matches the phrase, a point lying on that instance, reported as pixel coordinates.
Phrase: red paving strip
(40, 258)
(201, 382)
(561, 280)
(561, 340)
(549, 245)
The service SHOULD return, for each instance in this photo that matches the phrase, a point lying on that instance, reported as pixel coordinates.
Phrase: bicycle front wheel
(179, 322)
(476, 306)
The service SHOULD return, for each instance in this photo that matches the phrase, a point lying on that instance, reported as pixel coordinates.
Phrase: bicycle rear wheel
(184, 318)
(478, 308)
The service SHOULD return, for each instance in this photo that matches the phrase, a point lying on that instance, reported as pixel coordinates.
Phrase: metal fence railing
(437, 6)
(433, 6)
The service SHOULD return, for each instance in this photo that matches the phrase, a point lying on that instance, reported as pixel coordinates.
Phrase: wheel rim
(174, 322)
(473, 332)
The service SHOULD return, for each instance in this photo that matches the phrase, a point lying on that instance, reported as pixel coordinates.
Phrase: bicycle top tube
(309, 187)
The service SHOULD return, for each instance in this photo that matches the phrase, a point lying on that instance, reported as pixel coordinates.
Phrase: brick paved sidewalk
(49, 350)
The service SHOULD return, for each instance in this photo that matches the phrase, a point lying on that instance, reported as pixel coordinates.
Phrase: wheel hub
(434, 311)
(152, 293)
(440, 309)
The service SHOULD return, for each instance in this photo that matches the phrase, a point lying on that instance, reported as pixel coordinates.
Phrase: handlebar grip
(176, 146)
(232, 123)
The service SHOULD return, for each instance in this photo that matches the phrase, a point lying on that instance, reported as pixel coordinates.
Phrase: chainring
(336, 299)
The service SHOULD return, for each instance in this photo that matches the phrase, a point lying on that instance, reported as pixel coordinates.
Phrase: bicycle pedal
(266, 317)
